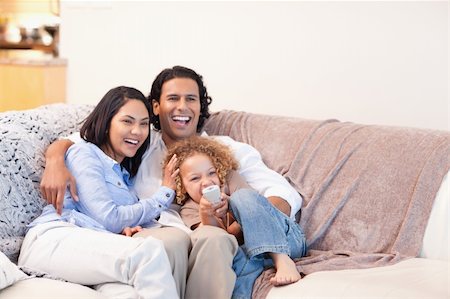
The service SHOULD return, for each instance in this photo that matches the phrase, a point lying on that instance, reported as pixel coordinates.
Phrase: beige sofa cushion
(415, 278)
(9, 272)
(43, 288)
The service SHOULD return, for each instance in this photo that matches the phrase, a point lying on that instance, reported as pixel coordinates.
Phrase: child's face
(197, 172)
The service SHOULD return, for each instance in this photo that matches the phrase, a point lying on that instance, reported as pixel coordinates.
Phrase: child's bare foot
(286, 270)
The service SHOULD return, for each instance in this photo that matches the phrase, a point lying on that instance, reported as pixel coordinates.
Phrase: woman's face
(128, 130)
(178, 109)
(197, 172)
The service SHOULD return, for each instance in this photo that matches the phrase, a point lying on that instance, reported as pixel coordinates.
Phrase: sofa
(375, 201)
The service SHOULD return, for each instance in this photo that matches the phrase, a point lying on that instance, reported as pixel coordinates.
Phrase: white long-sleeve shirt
(261, 178)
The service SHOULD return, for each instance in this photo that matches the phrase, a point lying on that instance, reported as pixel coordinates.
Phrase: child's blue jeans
(266, 229)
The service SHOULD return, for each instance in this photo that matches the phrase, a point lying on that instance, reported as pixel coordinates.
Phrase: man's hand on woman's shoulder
(56, 176)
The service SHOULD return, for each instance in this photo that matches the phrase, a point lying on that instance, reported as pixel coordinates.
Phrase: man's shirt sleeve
(260, 177)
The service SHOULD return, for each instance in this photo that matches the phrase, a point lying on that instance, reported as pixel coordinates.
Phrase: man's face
(178, 109)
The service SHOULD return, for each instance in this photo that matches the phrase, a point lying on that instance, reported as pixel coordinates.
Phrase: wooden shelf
(33, 41)
(24, 45)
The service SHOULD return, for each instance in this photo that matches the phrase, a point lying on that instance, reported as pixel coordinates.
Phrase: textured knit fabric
(24, 138)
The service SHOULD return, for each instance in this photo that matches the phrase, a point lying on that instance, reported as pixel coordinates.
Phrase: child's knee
(243, 197)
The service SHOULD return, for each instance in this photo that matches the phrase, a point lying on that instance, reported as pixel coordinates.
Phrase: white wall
(367, 62)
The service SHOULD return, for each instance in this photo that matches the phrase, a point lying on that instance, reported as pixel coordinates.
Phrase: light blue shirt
(106, 201)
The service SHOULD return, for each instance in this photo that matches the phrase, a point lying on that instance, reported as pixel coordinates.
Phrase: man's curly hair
(221, 157)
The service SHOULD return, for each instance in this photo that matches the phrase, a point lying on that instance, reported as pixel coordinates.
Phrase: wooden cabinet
(28, 84)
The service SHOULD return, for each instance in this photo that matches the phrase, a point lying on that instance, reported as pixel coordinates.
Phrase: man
(180, 106)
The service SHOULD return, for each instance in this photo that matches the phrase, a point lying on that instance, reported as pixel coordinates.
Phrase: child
(268, 234)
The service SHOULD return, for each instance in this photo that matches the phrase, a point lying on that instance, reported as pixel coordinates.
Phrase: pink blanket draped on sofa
(367, 190)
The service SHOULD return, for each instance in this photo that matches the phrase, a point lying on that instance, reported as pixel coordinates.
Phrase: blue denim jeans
(266, 229)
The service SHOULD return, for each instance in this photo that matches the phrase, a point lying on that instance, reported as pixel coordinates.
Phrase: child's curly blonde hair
(221, 157)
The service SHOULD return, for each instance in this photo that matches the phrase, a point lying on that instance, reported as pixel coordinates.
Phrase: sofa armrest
(24, 138)
(436, 238)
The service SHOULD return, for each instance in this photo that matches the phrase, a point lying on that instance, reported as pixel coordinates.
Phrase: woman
(79, 245)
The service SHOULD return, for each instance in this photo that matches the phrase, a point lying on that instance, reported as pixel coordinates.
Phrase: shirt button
(167, 195)
(119, 184)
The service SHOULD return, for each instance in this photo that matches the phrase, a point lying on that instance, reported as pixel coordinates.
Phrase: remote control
(212, 194)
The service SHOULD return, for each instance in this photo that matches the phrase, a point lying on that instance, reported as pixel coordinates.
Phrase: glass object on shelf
(30, 25)
(12, 34)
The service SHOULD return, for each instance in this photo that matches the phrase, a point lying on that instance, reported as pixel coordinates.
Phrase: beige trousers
(177, 245)
(207, 272)
(210, 273)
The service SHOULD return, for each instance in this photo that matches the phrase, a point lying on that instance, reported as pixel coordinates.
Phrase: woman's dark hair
(179, 72)
(96, 126)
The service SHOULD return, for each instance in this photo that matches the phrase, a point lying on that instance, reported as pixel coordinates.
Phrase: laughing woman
(83, 244)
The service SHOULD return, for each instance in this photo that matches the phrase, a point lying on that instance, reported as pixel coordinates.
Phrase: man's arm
(263, 179)
(56, 176)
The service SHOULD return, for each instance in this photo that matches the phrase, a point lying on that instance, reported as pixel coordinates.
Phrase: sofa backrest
(24, 137)
(365, 188)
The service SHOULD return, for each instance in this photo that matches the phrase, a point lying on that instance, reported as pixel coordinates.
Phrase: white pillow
(9, 272)
(436, 238)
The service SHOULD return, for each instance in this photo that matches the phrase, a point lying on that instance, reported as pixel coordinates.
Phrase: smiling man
(202, 260)
(178, 109)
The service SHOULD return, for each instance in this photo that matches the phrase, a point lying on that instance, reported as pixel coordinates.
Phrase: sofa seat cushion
(413, 278)
(35, 288)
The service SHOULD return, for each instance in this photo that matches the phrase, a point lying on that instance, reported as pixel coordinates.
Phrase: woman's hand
(130, 231)
(170, 173)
